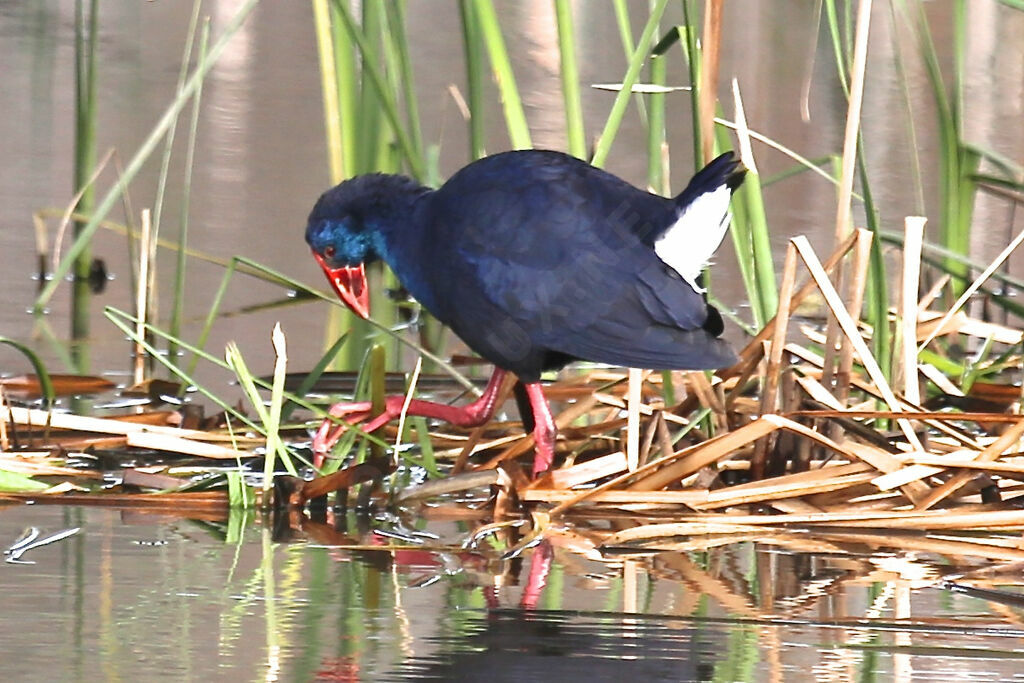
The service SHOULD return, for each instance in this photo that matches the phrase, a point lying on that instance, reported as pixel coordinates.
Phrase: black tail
(725, 169)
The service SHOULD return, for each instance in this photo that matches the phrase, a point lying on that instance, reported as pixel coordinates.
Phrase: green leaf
(12, 482)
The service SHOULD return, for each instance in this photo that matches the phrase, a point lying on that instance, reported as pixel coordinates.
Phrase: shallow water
(141, 596)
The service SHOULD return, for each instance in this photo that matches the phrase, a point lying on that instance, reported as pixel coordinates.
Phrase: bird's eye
(329, 252)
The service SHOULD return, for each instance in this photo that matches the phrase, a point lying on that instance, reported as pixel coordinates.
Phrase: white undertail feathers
(689, 243)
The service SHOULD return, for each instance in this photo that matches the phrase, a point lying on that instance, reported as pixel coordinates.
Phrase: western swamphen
(535, 259)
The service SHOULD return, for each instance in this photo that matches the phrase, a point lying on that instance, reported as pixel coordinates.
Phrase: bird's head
(346, 230)
(341, 248)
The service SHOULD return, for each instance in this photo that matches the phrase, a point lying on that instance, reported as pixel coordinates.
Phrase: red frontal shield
(349, 282)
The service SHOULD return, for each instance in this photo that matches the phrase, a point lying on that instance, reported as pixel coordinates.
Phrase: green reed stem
(570, 80)
(84, 236)
(515, 117)
(611, 126)
(178, 305)
(86, 29)
(473, 53)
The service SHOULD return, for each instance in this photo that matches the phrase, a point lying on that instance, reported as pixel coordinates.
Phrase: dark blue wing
(539, 253)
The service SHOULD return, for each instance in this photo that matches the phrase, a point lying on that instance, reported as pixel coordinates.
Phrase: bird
(535, 259)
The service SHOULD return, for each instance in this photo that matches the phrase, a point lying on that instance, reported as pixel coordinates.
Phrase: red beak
(349, 282)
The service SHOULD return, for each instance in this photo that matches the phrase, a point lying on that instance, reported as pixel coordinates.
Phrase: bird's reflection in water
(527, 645)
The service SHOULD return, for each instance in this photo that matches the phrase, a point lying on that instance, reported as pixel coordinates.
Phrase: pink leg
(543, 429)
(471, 415)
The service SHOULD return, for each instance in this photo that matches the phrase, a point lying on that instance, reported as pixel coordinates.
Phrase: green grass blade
(570, 80)
(165, 160)
(626, 36)
(400, 44)
(84, 238)
(515, 117)
(178, 302)
(329, 76)
(12, 482)
(611, 126)
(45, 384)
(379, 89)
(473, 49)
(375, 92)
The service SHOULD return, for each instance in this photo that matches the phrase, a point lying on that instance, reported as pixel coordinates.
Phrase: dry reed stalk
(711, 41)
(700, 388)
(40, 418)
(992, 452)
(819, 393)
(978, 282)
(913, 231)
(932, 374)
(886, 463)
(933, 324)
(752, 352)
(945, 461)
(586, 472)
(790, 486)
(648, 440)
(1007, 520)
(853, 112)
(691, 460)
(904, 478)
(769, 398)
(405, 404)
(855, 300)
(932, 294)
(849, 328)
(649, 532)
(964, 547)
(635, 382)
(142, 298)
(174, 444)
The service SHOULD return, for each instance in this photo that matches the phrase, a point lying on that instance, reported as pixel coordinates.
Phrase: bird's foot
(544, 430)
(331, 429)
(344, 415)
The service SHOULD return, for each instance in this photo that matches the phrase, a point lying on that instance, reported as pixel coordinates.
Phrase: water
(142, 596)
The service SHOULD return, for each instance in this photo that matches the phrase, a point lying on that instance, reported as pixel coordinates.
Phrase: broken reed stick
(701, 387)
(751, 354)
(991, 452)
(969, 292)
(853, 112)
(855, 298)
(40, 418)
(886, 463)
(913, 230)
(142, 299)
(176, 444)
(932, 294)
(849, 328)
(769, 402)
(635, 387)
(690, 460)
(711, 42)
